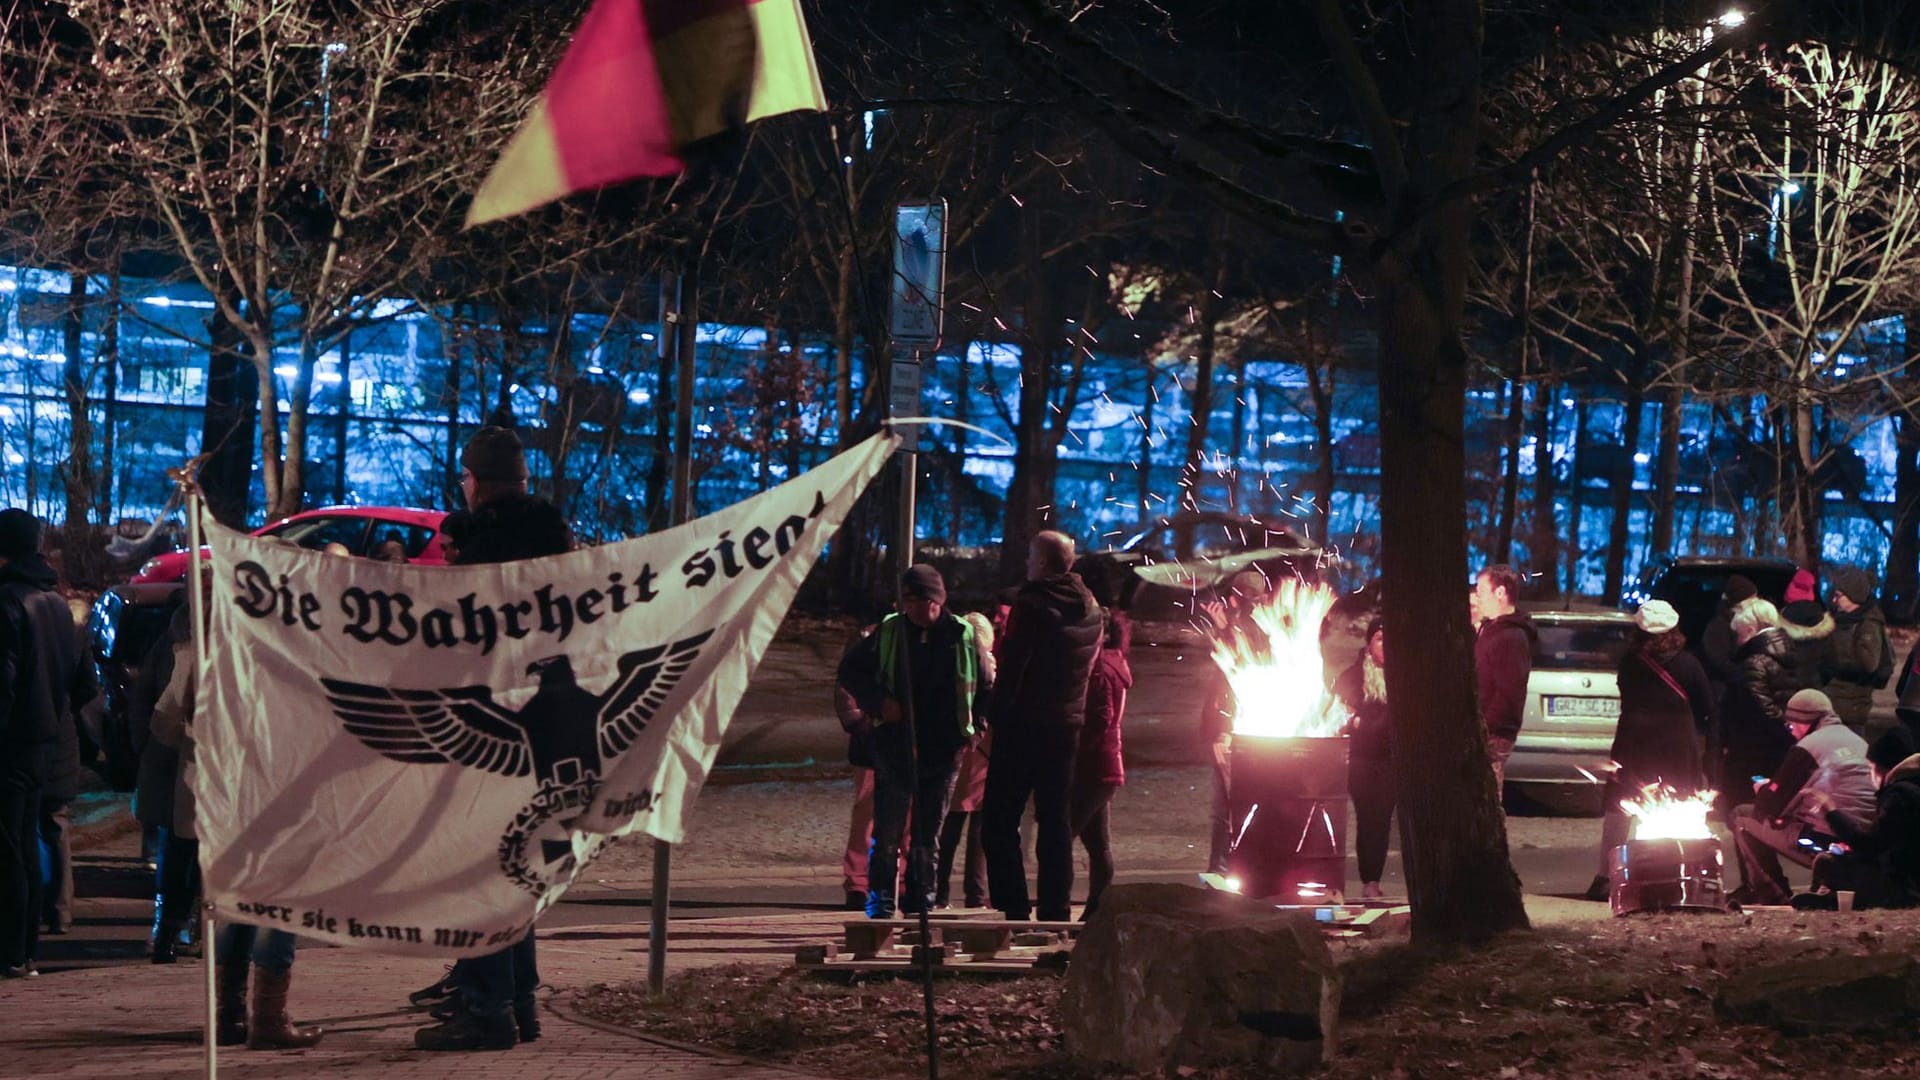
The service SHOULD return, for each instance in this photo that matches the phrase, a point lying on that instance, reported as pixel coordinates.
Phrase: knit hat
(1891, 749)
(923, 582)
(1803, 587)
(1656, 617)
(19, 534)
(1251, 584)
(494, 455)
(1739, 587)
(1854, 584)
(1809, 707)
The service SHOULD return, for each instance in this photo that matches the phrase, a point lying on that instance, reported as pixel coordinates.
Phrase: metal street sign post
(916, 302)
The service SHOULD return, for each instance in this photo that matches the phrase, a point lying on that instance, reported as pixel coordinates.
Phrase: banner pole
(196, 615)
(684, 328)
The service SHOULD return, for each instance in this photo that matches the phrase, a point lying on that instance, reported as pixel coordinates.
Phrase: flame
(1660, 813)
(1279, 683)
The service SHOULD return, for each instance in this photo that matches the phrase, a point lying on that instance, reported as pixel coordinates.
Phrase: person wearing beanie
(1666, 711)
(916, 681)
(1858, 658)
(44, 681)
(1807, 625)
(492, 1004)
(1879, 864)
(1825, 774)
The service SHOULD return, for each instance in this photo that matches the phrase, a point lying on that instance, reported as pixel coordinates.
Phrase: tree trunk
(1901, 596)
(1576, 497)
(1510, 483)
(1454, 839)
(291, 495)
(227, 431)
(1320, 389)
(1144, 473)
(1544, 556)
(660, 465)
(1030, 492)
(110, 392)
(843, 335)
(459, 338)
(79, 472)
(1805, 529)
(1240, 436)
(1619, 533)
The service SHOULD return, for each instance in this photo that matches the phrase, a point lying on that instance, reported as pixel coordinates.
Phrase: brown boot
(270, 1028)
(230, 1017)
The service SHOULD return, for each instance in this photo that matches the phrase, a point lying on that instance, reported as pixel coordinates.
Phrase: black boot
(526, 1018)
(469, 1031)
(230, 1014)
(166, 943)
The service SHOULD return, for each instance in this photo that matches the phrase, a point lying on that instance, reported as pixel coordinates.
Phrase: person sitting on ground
(1879, 864)
(1826, 773)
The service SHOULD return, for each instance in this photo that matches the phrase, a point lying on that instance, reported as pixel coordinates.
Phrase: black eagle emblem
(562, 734)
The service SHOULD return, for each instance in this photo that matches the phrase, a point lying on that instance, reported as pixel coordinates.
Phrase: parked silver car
(1573, 698)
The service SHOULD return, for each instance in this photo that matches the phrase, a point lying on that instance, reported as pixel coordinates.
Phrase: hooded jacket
(1892, 840)
(43, 677)
(1044, 658)
(1856, 653)
(1502, 663)
(1099, 760)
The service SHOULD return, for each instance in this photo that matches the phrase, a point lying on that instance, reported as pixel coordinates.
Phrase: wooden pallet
(978, 937)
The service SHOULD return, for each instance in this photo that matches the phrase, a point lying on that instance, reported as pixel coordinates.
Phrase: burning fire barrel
(1667, 874)
(1289, 805)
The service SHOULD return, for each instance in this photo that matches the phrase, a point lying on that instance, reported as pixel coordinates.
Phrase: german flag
(640, 80)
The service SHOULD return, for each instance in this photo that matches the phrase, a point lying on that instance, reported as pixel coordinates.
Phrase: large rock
(1832, 994)
(1167, 975)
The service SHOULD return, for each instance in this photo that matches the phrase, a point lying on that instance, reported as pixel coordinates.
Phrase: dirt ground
(1609, 998)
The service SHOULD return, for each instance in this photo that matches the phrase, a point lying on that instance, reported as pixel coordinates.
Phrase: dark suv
(1693, 585)
(125, 624)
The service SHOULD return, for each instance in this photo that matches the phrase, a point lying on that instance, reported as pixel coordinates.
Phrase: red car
(360, 528)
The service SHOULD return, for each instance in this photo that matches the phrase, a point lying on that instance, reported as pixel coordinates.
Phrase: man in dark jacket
(495, 1005)
(1858, 658)
(1879, 864)
(42, 682)
(1717, 645)
(1039, 702)
(915, 680)
(1502, 663)
(1825, 773)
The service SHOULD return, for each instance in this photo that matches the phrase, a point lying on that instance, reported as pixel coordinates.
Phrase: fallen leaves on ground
(1628, 996)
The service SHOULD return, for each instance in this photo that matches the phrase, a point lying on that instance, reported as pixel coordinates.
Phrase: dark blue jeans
(896, 789)
(270, 951)
(491, 984)
(20, 882)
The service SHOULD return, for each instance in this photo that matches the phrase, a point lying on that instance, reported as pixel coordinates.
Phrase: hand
(1216, 613)
(890, 711)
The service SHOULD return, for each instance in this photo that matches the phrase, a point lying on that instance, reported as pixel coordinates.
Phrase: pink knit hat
(1803, 587)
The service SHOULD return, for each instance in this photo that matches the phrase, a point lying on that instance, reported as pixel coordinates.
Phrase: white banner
(420, 759)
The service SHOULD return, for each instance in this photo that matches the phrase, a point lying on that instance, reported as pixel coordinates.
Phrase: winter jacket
(1665, 705)
(1044, 658)
(159, 763)
(1099, 760)
(1717, 647)
(1502, 662)
(1770, 665)
(1808, 629)
(1362, 688)
(1826, 773)
(1753, 737)
(1892, 839)
(510, 528)
(173, 728)
(938, 662)
(44, 677)
(1856, 651)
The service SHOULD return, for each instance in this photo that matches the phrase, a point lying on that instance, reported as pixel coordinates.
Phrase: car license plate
(1562, 705)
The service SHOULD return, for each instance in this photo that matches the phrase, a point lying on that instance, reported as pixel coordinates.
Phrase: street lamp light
(1733, 18)
(1777, 207)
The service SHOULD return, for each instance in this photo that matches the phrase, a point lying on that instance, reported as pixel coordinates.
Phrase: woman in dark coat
(1753, 734)
(1666, 710)
(1098, 772)
(1362, 688)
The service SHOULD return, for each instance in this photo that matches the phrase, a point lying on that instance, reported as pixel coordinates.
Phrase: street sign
(903, 399)
(917, 296)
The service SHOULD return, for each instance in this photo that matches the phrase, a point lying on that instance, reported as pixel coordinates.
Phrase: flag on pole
(640, 80)
(422, 759)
